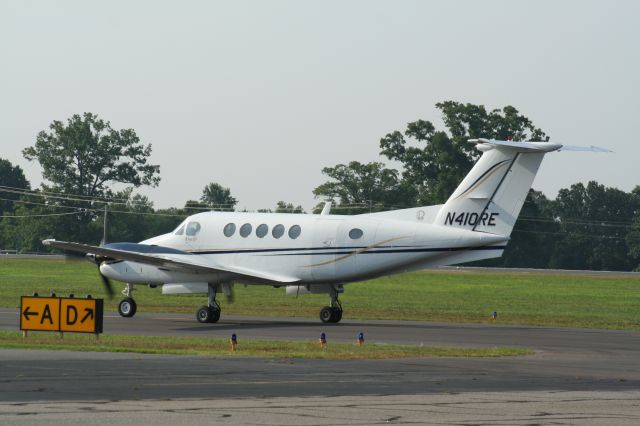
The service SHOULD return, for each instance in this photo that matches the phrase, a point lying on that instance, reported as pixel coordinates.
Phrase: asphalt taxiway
(601, 366)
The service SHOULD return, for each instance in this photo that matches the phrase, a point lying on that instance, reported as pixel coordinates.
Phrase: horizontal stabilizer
(516, 146)
(590, 148)
(535, 146)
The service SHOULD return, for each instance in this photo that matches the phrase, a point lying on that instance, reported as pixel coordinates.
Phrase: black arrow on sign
(89, 313)
(27, 313)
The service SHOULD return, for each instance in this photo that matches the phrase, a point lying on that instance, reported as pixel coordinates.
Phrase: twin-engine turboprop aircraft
(312, 253)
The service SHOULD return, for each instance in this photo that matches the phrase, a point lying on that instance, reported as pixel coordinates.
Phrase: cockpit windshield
(180, 229)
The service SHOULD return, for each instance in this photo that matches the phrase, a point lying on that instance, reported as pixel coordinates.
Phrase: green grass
(519, 298)
(248, 348)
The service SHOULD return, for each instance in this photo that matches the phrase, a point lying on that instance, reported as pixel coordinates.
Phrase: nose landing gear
(127, 306)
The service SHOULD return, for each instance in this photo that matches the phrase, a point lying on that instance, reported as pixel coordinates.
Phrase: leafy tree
(85, 155)
(363, 187)
(283, 207)
(164, 220)
(80, 159)
(633, 234)
(32, 223)
(13, 177)
(217, 197)
(435, 161)
(633, 237)
(129, 219)
(534, 235)
(194, 206)
(594, 220)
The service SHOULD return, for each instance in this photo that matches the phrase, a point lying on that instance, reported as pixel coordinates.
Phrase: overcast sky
(260, 96)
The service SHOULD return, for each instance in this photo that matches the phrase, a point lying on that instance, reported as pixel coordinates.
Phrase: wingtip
(48, 241)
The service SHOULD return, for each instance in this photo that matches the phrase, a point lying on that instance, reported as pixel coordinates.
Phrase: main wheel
(127, 307)
(204, 314)
(207, 314)
(326, 314)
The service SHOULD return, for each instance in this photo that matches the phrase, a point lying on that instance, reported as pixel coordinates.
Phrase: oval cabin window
(294, 232)
(355, 233)
(262, 230)
(229, 229)
(277, 231)
(245, 230)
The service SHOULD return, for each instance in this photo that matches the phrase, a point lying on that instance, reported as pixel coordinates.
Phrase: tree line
(585, 227)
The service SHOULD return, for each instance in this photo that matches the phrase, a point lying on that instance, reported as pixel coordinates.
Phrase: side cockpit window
(192, 229)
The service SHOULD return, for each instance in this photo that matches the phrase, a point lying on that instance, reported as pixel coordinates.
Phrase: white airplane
(319, 253)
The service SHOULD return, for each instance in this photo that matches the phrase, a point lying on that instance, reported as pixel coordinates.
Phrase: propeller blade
(107, 286)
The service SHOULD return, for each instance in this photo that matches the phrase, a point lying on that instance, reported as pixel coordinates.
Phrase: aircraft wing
(167, 258)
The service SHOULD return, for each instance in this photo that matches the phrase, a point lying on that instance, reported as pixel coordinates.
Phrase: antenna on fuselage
(327, 208)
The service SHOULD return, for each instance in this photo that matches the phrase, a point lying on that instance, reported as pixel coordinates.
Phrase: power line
(37, 215)
(75, 198)
(607, 237)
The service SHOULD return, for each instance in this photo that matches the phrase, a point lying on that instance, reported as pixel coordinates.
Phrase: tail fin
(490, 197)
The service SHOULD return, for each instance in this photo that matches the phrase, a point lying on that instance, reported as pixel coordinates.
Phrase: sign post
(61, 314)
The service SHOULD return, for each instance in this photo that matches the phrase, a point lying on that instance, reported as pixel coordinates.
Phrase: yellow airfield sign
(61, 314)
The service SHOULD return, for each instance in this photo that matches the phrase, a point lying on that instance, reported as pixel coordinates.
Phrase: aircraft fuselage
(313, 248)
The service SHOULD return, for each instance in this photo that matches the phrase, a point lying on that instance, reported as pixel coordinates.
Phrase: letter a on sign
(40, 313)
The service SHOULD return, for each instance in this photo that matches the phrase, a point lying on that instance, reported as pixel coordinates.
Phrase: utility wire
(100, 200)
(37, 215)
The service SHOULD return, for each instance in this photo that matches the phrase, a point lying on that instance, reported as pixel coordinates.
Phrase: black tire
(215, 315)
(127, 307)
(337, 315)
(326, 314)
(204, 314)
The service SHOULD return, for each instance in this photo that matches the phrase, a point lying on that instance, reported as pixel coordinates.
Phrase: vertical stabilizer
(490, 197)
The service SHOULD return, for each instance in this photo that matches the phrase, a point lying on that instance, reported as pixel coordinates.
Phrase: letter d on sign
(71, 310)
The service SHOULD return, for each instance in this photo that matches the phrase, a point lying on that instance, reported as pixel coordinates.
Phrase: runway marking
(155, 318)
(173, 319)
(262, 382)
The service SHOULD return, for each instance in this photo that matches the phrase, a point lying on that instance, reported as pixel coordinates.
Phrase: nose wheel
(127, 307)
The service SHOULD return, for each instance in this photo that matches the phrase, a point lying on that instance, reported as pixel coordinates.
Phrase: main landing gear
(210, 313)
(333, 312)
(127, 306)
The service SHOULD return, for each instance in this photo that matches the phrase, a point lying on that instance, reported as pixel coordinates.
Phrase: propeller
(107, 284)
